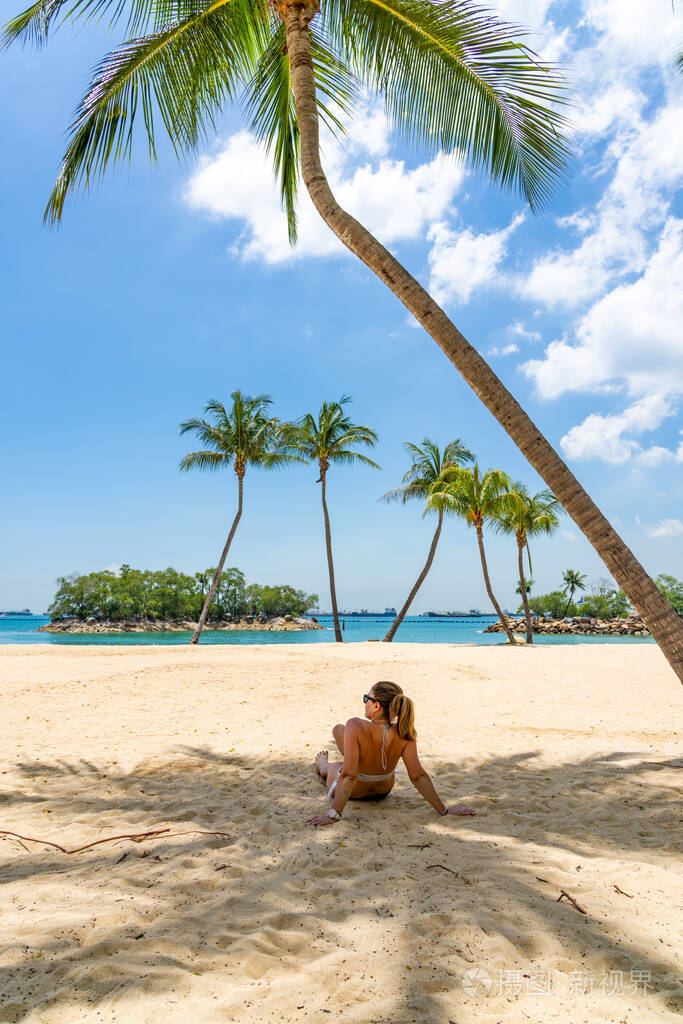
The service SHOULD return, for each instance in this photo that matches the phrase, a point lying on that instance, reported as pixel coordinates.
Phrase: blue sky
(168, 286)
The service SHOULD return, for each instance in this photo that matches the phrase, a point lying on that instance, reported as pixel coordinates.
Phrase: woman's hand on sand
(321, 819)
(460, 809)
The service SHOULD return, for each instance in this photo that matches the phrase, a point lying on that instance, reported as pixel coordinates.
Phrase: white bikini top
(385, 732)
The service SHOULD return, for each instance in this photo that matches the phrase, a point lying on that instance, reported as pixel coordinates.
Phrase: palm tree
(428, 480)
(573, 581)
(481, 499)
(239, 437)
(329, 438)
(452, 77)
(527, 516)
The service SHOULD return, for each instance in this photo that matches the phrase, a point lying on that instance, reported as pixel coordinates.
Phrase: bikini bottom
(365, 778)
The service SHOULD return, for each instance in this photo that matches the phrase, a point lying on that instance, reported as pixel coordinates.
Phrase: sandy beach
(571, 757)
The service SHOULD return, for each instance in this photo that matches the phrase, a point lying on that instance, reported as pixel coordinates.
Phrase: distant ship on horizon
(363, 612)
(11, 615)
(473, 613)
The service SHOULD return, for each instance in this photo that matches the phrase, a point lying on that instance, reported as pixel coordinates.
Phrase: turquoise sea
(413, 629)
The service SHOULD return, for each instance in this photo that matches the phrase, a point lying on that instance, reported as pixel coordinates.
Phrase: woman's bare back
(371, 736)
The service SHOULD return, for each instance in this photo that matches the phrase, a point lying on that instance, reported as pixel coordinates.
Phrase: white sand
(562, 750)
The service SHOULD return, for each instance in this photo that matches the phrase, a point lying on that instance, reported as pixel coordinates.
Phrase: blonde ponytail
(399, 709)
(403, 711)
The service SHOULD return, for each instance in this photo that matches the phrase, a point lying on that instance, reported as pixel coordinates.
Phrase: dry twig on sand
(444, 868)
(565, 895)
(622, 891)
(136, 837)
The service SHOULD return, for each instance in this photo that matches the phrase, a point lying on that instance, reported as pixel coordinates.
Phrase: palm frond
(207, 433)
(33, 26)
(183, 72)
(276, 459)
(345, 457)
(455, 77)
(336, 83)
(270, 102)
(350, 434)
(205, 460)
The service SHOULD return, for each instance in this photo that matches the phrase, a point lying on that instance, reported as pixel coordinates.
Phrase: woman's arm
(423, 783)
(347, 776)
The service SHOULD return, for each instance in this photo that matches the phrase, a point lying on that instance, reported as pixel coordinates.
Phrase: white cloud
(461, 261)
(533, 14)
(520, 331)
(667, 528)
(569, 535)
(631, 336)
(393, 202)
(506, 350)
(605, 437)
(634, 32)
(649, 163)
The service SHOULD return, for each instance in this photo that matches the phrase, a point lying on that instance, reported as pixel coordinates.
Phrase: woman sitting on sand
(371, 750)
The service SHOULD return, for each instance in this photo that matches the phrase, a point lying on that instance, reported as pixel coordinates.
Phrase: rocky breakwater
(257, 623)
(580, 625)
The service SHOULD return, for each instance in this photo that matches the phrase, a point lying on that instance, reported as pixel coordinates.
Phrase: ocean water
(413, 629)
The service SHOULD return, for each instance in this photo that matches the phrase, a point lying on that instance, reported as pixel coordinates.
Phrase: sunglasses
(367, 697)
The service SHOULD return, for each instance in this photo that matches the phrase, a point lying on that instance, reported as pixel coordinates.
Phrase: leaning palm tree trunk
(571, 598)
(655, 610)
(212, 589)
(420, 580)
(525, 599)
(330, 564)
(489, 589)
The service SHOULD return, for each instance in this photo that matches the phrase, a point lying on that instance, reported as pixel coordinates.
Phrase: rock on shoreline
(580, 625)
(257, 623)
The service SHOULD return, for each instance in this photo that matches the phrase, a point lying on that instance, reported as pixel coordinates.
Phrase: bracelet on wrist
(444, 811)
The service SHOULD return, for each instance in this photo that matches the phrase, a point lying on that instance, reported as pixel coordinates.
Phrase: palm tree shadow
(276, 903)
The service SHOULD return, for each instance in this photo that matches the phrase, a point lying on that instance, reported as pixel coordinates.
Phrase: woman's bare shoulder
(356, 723)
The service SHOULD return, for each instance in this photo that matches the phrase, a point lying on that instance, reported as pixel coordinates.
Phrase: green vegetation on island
(167, 594)
(603, 602)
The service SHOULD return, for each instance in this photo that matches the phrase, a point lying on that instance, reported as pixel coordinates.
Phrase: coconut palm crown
(428, 479)
(430, 473)
(573, 580)
(243, 435)
(451, 75)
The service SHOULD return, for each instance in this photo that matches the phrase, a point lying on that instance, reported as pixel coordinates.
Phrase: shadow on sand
(257, 926)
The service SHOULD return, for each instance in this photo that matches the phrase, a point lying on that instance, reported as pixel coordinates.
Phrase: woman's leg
(338, 733)
(328, 772)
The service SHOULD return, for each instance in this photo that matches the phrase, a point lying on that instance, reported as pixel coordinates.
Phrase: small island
(158, 601)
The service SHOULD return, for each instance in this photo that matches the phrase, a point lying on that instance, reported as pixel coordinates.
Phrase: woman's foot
(321, 764)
